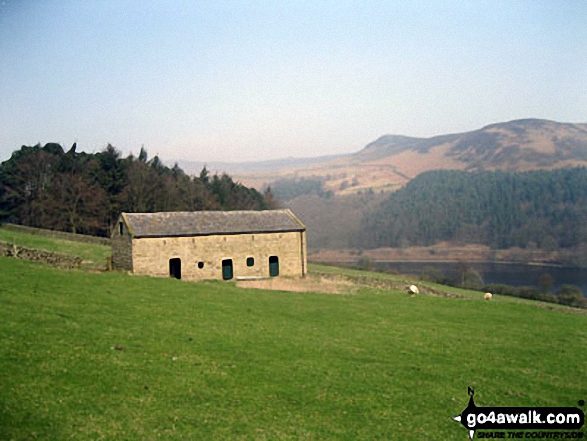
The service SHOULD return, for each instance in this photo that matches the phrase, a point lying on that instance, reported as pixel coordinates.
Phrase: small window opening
(121, 228)
(200, 265)
(250, 261)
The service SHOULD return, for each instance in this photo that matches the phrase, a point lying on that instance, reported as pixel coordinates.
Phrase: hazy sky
(251, 80)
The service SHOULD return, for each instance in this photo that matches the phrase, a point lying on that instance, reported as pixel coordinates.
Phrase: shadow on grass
(17, 422)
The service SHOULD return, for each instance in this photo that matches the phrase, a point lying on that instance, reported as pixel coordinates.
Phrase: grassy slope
(212, 361)
(94, 256)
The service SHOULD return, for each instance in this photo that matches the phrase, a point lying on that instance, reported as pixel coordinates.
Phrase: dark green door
(227, 269)
(273, 266)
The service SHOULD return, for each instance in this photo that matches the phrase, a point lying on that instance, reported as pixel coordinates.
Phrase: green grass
(94, 256)
(212, 361)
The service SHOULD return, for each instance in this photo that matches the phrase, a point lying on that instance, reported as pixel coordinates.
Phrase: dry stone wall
(57, 234)
(54, 259)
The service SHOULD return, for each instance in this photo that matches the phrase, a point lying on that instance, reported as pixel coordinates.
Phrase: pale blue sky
(252, 80)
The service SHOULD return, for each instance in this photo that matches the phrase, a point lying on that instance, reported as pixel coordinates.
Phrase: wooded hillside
(47, 187)
(546, 209)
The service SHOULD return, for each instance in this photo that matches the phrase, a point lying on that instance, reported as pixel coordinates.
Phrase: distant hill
(391, 161)
(544, 209)
(450, 209)
(516, 145)
(272, 165)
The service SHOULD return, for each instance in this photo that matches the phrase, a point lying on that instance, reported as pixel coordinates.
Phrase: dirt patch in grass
(336, 284)
(310, 283)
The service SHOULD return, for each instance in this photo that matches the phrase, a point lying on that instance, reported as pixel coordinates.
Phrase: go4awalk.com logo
(509, 422)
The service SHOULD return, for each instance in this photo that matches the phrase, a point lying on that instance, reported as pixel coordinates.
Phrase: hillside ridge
(390, 161)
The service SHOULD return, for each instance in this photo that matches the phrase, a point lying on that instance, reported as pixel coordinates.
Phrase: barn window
(273, 266)
(250, 261)
(200, 265)
(121, 228)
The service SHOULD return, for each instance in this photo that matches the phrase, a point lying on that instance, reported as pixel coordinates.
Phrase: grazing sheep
(487, 296)
(413, 289)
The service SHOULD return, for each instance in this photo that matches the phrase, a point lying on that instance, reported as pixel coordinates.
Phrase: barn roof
(203, 223)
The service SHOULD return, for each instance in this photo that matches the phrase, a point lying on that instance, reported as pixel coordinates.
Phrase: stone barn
(210, 244)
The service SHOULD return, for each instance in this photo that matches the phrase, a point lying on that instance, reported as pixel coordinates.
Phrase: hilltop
(392, 160)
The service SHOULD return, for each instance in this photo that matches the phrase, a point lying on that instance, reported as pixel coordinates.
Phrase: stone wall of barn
(121, 247)
(201, 256)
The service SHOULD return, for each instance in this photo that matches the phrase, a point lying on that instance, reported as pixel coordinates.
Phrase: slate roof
(205, 223)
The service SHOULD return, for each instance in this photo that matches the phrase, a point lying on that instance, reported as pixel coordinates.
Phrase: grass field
(111, 356)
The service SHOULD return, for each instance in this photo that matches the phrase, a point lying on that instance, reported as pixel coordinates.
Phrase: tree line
(286, 189)
(80, 192)
(545, 209)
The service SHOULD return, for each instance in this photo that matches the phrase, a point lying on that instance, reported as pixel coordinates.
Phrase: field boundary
(57, 234)
(386, 283)
(52, 258)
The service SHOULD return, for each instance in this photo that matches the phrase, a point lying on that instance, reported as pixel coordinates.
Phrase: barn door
(175, 268)
(273, 266)
(227, 269)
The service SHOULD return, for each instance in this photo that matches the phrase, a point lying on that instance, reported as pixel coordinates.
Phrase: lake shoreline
(452, 261)
(511, 273)
(451, 253)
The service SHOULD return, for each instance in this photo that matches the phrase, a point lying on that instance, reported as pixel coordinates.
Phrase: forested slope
(47, 187)
(537, 208)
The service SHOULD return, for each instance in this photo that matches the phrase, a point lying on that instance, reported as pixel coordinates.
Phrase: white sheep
(487, 296)
(413, 289)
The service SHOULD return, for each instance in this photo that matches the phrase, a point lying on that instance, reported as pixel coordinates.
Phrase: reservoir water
(506, 273)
